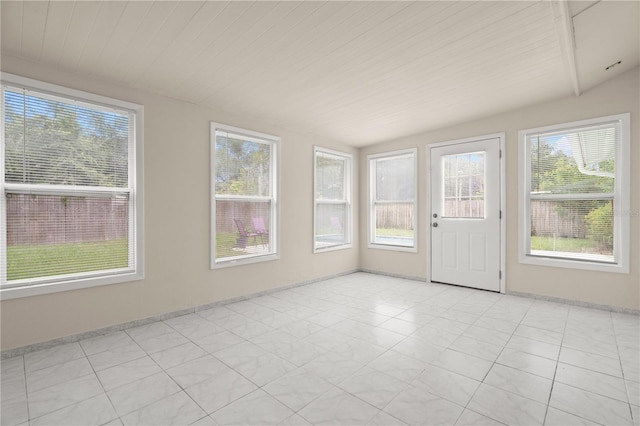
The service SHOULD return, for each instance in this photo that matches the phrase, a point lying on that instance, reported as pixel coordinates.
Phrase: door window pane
(464, 181)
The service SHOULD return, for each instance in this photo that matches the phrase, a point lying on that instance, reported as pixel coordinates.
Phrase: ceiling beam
(564, 28)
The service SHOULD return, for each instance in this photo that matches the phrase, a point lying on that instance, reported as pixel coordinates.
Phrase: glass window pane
(393, 203)
(330, 177)
(332, 199)
(577, 161)
(330, 225)
(581, 229)
(54, 235)
(50, 141)
(394, 224)
(242, 228)
(242, 166)
(395, 179)
(464, 181)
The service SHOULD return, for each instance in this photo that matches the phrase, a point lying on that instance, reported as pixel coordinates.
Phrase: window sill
(67, 285)
(392, 247)
(218, 264)
(332, 248)
(574, 264)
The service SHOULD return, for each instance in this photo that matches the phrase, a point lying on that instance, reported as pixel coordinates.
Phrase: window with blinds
(244, 202)
(392, 195)
(332, 218)
(69, 186)
(576, 191)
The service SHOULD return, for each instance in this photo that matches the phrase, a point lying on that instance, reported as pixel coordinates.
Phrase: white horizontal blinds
(572, 190)
(66, 187)
(393, 200)
(330, 177)
(332, 203)
(243, 165)
(464, 178)
(244, 202)
(55, 141)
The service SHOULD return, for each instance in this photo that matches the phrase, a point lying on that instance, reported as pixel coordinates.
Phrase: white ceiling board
(168, 65)
(124, 29)
(577, 7)
(214, 69)
(256, 19)
(438, 65)
(173, 27)
(262, 49)
(376, 80)
(148, 32)
(216, 33)
(606, 33)
(105, 24)
(33, 25)
(242, 71)
(359, 72)
(11, 20)
(81, 25)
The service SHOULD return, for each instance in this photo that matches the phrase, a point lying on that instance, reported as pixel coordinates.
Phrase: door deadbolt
(435, 224)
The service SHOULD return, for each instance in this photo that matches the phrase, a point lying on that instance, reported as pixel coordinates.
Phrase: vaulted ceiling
(359, 72)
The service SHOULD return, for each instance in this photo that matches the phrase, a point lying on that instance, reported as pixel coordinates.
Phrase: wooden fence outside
(548, 221)
(394, 216)
(55, 220)
(227, 212)
(43, 219)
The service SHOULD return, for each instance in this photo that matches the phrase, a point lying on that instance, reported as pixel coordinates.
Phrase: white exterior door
(465, 213)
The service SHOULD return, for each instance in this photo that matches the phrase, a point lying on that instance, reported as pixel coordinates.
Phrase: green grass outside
(394, 232)
(567, 245)
(225, 244)
(59, 259)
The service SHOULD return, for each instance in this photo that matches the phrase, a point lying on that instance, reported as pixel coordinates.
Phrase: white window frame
(53, 284)
(348, 178)
(621, 198)
(371, 170)
(274, 227)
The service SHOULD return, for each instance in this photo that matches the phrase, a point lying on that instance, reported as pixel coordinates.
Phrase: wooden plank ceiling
(356, 72)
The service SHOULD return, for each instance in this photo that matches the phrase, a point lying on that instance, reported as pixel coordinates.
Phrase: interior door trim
(501, 136)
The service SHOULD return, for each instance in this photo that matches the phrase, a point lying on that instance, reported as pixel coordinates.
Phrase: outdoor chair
(335, 224)
(260, 229)
(244, 236)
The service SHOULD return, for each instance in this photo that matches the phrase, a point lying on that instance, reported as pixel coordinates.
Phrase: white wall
(621, 290)
(176, 151)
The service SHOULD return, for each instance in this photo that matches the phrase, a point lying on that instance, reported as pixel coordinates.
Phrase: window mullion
(574, 196)
(64, 190)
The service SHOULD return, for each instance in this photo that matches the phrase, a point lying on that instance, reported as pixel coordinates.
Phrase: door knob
(435, 224)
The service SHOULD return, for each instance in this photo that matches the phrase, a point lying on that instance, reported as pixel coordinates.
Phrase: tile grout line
(555, 371)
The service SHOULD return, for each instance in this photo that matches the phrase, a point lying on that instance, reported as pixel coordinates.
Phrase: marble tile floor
(360, 349)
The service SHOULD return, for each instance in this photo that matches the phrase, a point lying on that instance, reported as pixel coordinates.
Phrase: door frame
(503, 192)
